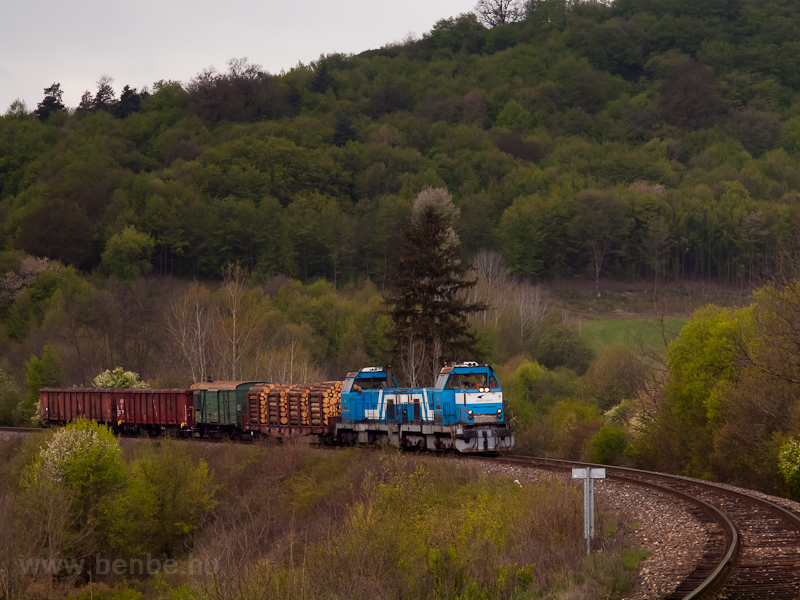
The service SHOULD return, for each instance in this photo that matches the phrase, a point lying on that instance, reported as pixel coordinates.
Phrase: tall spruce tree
(428, 307)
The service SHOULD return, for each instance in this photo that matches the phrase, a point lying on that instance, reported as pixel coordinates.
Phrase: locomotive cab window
(467, 380)
(372, 384)
(364, 383)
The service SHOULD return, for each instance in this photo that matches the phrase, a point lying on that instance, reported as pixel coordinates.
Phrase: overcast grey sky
(137, 43)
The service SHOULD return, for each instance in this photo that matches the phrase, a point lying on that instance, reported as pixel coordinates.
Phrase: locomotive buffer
(588, 476)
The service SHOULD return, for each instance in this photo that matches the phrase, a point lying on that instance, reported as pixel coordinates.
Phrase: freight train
(463, 412)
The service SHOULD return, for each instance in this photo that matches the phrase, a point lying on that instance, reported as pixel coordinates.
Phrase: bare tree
(530, 305)
(493, 279)
(190, 322)
(233, 551)
(289, 363)
(412, 359)
(236, 321)
(499, 12)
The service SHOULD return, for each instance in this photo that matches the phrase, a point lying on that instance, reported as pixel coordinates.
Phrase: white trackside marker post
(588, 476)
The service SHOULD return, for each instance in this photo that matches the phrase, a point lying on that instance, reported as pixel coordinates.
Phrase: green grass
(632, 558)
(633, 333)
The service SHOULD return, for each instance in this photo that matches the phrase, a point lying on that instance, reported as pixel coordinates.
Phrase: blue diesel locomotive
(463, 412)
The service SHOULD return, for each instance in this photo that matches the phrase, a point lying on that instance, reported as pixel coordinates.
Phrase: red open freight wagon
(123, 408)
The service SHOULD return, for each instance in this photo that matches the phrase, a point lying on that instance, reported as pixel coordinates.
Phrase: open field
(632, 315)
(636, 333)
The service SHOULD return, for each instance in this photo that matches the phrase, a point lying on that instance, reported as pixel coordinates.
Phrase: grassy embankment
(290, 521)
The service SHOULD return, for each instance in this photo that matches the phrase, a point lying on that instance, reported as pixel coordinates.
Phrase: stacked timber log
(324, 402)
(295, 405)
(268, 404)
(298, 405)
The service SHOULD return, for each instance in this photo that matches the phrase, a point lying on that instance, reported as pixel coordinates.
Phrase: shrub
(9, 401)
(119, 378)
(169, 494)
(46, 371)
(789, 466)
(608, 446)
(71, 490)
(562, 346)
(613, 377)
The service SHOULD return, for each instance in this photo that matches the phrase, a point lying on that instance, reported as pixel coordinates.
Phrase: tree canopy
(686, 115)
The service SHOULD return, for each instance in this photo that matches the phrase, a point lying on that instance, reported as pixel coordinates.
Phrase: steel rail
(725, 568)
(733, 541)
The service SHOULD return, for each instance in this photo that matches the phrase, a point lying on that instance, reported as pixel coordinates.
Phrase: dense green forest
(641, 138)
(246, 224)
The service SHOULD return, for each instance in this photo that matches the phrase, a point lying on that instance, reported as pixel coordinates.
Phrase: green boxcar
(221, 403)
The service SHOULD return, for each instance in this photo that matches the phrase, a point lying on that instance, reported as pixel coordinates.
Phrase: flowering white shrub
(78, 447)
(118, 378)
(619, 413)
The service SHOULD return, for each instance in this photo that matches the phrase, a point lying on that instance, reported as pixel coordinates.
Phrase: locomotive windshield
(467, 380)
(358, 384)
(454, 381)
(370, 384)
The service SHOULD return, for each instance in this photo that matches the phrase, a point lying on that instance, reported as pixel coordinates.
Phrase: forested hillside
(643, 139)
(650, 141)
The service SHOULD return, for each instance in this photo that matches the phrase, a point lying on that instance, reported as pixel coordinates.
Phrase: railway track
(753, 553)
(23, 429)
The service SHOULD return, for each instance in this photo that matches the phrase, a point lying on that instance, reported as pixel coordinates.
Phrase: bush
(119, 378)
(613, 377)
(608, 446)
(562, 346)
(46, 371)
(574, 423)
(9, 401)
(789, 466)
(71, 491)
(168, 496)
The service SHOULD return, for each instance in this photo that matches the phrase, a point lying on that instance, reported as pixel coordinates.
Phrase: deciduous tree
(499, 12)
(127, 254)
(190, 323)
(601, 223)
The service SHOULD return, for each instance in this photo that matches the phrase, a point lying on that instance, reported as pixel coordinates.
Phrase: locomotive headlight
(469, 412)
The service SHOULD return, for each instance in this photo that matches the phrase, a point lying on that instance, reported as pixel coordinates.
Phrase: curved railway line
(753, 546)
(753, 553)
